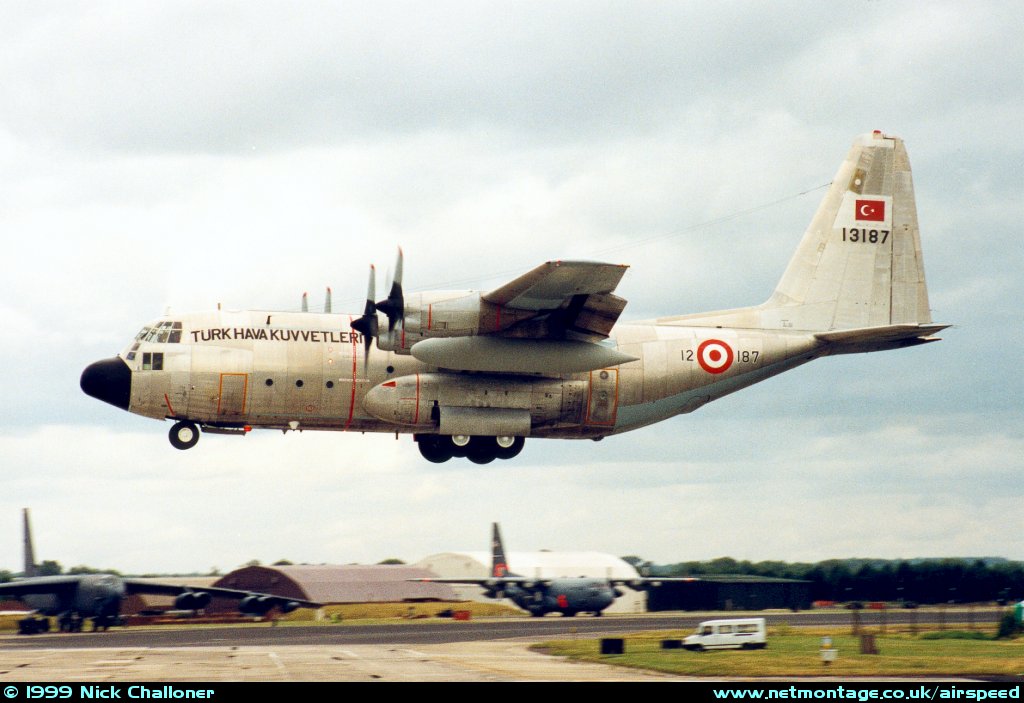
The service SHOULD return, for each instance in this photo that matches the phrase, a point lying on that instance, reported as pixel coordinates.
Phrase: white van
(741, 633)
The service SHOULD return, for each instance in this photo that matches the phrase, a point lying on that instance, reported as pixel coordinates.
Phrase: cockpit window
(165, 332)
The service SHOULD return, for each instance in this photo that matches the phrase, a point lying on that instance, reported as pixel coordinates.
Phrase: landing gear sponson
(478, 449)
(435, 448)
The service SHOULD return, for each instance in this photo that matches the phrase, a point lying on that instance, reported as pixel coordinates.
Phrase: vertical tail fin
(30, 556)
(859, 265)
(499, 565)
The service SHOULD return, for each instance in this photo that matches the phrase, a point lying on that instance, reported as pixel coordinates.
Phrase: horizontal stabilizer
(502, 355)
(884, 333)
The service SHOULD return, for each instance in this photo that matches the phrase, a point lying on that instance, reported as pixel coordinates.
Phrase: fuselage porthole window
(270, 381)
(330, 384)
(298, 384)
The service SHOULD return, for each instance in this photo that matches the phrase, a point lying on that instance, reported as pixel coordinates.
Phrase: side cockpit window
(152, 361)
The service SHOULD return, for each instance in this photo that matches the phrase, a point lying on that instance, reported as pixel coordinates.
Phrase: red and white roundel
(714, 356)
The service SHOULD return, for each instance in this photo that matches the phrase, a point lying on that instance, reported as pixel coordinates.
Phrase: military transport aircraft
(539, 596)
(75, 598)
(473, 374)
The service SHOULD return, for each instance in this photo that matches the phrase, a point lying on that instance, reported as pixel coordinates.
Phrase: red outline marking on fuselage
(168, 401)
(355, 361)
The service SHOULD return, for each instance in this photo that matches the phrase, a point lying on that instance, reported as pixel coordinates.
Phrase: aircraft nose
(109, 380)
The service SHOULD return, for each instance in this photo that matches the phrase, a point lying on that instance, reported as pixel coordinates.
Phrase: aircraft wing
(489, 582)
(570, 299)
(144, 586)
(646, 582)
(42, 585)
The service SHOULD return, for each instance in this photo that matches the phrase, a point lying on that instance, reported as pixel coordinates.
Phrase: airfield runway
(419, 651)
(484, 650)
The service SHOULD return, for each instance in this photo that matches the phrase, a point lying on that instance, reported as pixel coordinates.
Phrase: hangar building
(333, 584)
(542, 564)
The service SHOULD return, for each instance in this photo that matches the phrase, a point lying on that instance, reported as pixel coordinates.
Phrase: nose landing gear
(184, 434)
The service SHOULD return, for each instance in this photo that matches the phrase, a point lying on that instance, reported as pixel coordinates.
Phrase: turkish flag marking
(873, 210)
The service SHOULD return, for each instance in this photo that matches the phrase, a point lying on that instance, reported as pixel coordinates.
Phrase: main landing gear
(478, 449)
(184, 434)
(33, 625)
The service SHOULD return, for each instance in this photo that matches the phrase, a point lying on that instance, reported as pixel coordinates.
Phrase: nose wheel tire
(184, 435)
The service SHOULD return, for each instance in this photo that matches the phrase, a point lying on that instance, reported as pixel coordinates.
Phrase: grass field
(796, 652)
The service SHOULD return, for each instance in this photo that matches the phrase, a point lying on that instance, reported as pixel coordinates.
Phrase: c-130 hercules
(473, 374)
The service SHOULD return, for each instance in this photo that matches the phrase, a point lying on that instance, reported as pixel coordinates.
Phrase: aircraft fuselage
(473, 374)
(238, 370)
(565, 596)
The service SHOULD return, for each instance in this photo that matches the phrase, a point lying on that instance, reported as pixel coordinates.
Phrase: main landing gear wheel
(435, 448)
(184, 434)
(478, 449)
(482, 450)
(509, 447)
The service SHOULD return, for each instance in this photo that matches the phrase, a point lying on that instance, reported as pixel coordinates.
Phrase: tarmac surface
(411, 652)
(454, 662)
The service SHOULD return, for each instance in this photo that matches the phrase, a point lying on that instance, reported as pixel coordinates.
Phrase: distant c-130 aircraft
(473, 374)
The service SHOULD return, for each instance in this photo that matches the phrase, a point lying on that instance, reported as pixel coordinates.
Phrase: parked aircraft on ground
(539, 596)
(75, 598)
(473, 374)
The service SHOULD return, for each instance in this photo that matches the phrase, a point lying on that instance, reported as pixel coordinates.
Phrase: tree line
(914, 580)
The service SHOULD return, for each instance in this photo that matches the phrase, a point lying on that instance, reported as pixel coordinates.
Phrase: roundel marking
(714, 356)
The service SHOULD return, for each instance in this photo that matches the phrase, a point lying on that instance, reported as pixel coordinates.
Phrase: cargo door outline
(234, 388)
(603, 397)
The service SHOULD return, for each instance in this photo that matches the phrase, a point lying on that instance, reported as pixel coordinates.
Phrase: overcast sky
(175, 155)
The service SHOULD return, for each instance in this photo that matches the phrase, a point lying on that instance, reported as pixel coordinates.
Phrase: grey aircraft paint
(79, 597)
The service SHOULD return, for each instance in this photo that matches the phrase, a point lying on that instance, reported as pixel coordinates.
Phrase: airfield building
(334, 584)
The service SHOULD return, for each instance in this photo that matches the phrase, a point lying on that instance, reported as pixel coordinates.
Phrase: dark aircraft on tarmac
(540, 596)
(75, 598)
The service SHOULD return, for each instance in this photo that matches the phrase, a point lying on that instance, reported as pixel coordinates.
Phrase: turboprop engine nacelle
(446, 314)
(476, 405)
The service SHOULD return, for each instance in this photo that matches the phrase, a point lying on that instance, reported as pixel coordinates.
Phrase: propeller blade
(305, 302)
(394, 305)
(367, 324)
(327, 300)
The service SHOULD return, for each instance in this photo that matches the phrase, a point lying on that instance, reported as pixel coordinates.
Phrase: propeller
(367, 324)
(394, 305)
